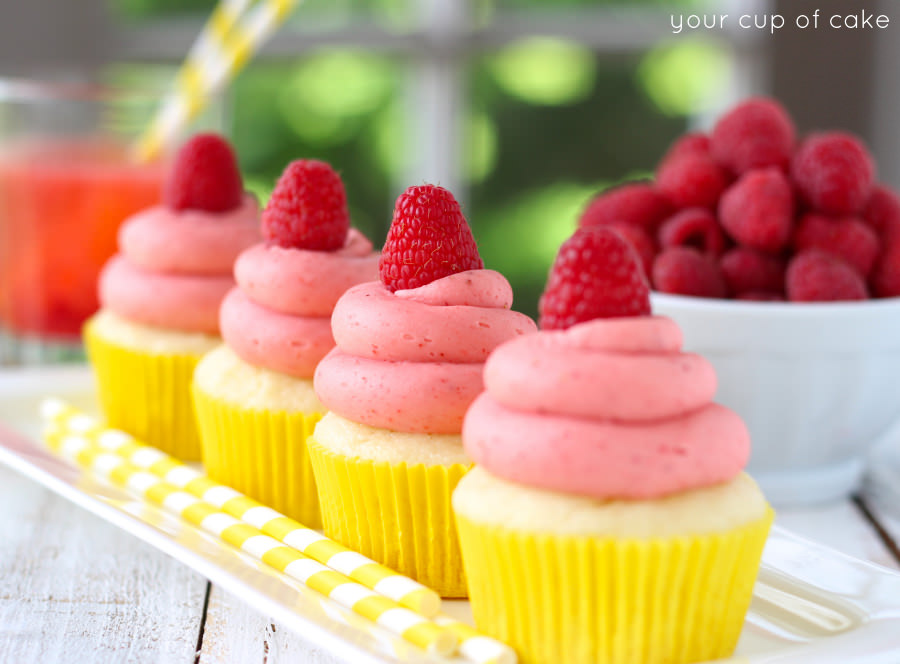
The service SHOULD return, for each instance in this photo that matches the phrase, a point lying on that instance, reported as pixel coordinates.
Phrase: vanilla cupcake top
(175, 259)
(278, 316)
(610, 408)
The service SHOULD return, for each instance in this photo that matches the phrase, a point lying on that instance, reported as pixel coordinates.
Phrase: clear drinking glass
(67, 181)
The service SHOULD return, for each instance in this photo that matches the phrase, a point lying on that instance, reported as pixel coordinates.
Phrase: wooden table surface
(74, 588)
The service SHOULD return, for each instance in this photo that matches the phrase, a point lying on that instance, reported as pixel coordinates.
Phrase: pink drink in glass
(61, 203)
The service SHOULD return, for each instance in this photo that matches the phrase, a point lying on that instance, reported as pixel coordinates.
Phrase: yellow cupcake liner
(397, 514)
(146, 394)
(582, 599)
(261, 453)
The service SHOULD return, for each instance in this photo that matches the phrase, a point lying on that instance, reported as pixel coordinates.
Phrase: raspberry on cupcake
(160, 295)
(606, 479)
(408, 362)
(581, 288)
(254, 393)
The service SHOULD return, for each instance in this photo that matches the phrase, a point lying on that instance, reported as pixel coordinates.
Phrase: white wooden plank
(76, 589)
(235, 632)
(840, 525)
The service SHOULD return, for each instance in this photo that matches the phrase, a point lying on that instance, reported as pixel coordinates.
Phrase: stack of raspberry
(749, 213)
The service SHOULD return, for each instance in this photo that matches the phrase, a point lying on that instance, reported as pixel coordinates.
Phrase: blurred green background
(547, 122)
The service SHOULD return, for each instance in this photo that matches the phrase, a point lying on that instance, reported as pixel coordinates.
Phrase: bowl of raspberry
(779, 257)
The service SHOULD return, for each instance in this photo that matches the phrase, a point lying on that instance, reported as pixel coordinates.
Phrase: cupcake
(408, 362)
(254, 393)
(608, 518)
(160, 296)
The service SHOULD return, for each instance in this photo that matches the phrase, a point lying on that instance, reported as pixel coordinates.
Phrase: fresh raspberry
(815, 276)
(637, 203)
(694, 143)
(758, 209)
(694, 227)
(308, 209)
(754, 134)
(428, 239)
(640, 239)
(847, 238)
(204, 176)
(834, 173)
(596, 274)
(760, 296)
(882, 212)
(885, 277)
(692, 180)
(686, 271)
(749, 271)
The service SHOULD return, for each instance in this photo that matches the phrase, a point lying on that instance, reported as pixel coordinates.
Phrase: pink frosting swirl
(608, 409)
(174, 268)
(413, 360)
(278, 317)
(191, 241)
(304, 283)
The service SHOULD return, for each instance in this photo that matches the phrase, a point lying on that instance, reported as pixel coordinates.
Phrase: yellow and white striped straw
(379, 578)
(411, 626)
(473, 646)
(234, 32)
(477, 647)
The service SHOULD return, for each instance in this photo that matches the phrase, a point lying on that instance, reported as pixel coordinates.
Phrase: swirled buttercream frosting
(610, 409)
(412, 360)
(174, 267)
(278, 316)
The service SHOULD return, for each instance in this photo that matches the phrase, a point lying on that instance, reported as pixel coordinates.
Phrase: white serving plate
(811, 605)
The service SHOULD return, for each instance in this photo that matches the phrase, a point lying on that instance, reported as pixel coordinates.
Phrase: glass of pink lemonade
(67, 181)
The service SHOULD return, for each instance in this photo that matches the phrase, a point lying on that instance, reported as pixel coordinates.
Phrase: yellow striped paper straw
(233, 33)
(473, 646)
(379, 578)
(385, 612)
(477, 647)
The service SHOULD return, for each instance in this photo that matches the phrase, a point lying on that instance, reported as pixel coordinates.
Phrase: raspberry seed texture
(596, 274)
(429, 239)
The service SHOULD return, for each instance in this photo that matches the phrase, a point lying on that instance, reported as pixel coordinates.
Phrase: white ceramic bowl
(817, 384)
